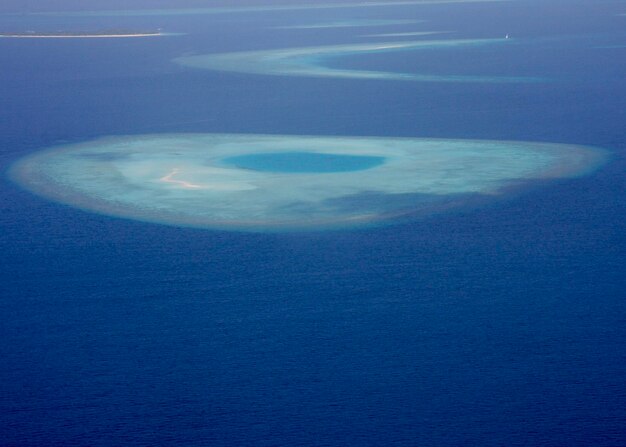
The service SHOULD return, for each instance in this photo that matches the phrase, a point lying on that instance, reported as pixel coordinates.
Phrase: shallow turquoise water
(298, 162)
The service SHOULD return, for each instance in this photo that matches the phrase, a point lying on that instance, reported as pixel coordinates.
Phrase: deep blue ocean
(503, 325)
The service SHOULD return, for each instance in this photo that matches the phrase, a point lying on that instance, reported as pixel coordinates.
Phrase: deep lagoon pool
(301, 162)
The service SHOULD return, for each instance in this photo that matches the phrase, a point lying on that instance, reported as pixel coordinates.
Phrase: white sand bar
(79, 36)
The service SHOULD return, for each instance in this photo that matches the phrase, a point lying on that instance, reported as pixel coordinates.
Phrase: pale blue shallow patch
(314, 61)
(298, 162)
(349, 24)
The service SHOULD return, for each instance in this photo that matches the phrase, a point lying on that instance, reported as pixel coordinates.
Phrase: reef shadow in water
(402, 204)
(102, 156)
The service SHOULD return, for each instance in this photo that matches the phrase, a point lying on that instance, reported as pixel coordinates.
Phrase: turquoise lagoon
(303, 162)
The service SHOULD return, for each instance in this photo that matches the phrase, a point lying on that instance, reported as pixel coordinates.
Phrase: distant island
(82, 34)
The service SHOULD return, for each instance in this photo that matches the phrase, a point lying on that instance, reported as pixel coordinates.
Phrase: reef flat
(285, 183)
(313, 61)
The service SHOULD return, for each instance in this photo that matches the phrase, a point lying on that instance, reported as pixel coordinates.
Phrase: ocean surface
(499, 325)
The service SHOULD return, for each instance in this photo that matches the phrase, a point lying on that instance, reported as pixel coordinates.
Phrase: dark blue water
(502, 325)
(300, 162)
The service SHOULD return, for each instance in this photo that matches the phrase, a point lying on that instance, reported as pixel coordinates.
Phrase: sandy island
(79, 36)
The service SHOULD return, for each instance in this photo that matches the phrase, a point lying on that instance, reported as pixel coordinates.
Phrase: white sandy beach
(78, 36)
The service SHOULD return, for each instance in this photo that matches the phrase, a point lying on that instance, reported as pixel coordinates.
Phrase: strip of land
(78, 36)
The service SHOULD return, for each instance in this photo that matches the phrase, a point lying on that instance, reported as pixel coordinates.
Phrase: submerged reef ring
(313, 61)
(282, 183)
